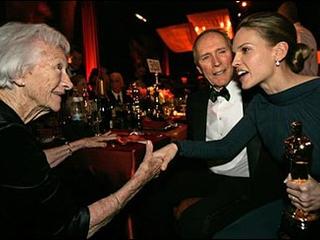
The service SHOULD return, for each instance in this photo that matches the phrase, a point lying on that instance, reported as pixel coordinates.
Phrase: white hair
(19, 51)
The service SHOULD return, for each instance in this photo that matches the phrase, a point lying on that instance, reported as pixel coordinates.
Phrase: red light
(200, 77)
(184, 79)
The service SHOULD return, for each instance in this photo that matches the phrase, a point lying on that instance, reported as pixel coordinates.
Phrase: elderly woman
(267, 54)
(34, 203)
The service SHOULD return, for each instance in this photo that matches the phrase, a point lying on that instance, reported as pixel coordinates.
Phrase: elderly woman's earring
(67, 88)
(277, 63)
(20, 84)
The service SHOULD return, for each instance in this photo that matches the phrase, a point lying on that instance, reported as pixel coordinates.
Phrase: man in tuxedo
(117, 94)
(204, 195)
(217, 194)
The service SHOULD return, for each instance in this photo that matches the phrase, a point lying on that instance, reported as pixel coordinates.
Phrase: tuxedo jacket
(113, 100)
(262, 168)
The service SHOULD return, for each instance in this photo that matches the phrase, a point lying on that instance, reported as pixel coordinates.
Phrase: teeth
(218, 73)
(241, 72)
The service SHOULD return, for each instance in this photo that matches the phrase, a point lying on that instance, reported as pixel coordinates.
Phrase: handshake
(155, 162)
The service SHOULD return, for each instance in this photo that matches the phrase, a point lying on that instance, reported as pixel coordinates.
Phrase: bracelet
(69, 148)
(117, 200)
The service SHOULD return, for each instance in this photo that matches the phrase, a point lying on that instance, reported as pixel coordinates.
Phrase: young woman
(267, 54)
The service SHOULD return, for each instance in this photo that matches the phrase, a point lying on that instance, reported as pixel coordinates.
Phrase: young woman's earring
(277, 63)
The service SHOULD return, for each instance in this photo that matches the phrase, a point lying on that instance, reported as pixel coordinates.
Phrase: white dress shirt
(222, 116)
(116, 95)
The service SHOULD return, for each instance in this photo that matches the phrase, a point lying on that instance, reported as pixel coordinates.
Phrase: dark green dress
(268, 116)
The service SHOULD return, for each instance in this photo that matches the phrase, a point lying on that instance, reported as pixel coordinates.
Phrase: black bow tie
(214, 94)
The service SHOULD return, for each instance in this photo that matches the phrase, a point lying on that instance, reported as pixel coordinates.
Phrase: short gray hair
(205, 33)
(18, 50)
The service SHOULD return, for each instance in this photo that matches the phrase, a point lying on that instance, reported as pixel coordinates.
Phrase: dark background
(118, 27)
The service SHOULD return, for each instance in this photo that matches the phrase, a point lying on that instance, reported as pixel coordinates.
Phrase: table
(179, 132)
(118, 162)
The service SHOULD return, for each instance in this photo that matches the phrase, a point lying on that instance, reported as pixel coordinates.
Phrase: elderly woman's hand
(98, 141)
(150, 166)
(304, 194)
(167, 153)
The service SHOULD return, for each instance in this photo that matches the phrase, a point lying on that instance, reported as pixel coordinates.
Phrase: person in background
(265, 48)
(117, 93)
(202, 190)
(75, 71)
(34, 202)
(289, 10)
(75, 61)
(79, 84)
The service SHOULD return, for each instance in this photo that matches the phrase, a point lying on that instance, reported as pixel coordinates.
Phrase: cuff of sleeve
(177, 143)
(79, 225)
